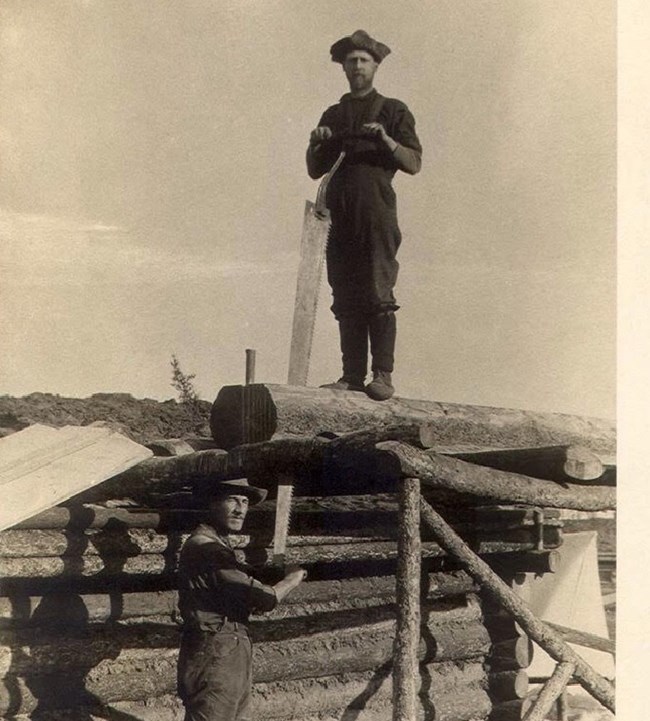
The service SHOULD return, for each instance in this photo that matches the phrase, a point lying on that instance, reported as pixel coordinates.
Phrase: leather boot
(353, 332)
(382, 329)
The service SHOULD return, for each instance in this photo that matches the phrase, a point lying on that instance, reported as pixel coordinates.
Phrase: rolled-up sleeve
(408, 153)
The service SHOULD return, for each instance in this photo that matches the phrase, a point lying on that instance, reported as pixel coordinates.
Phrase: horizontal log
(564, 464)
(301, 457)
(538, 562)
(511, 654)
(128, 542)
(82, 517)
(450, 634)
(436, 471)
(443, 685)
(508, 685)
(514, 710)
(308, 598)
(343, 551)
(246, 414)
(584, 639)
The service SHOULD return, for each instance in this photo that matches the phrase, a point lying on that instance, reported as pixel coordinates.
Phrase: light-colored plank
(42, 466)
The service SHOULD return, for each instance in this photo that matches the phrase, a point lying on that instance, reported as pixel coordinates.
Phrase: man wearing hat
(378, 137)
(216, 595)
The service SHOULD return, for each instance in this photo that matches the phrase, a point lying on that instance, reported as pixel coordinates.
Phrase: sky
(152, 189)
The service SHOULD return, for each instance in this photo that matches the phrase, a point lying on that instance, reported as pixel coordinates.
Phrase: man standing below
(378, 137)
(216, 595)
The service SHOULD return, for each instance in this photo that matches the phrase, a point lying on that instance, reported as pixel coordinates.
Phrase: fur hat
(359, 40)
(209, 490)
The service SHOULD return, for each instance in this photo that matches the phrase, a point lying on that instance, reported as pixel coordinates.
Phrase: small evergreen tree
(184, 384)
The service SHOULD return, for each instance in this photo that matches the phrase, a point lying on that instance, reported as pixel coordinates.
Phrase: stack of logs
(89, 625)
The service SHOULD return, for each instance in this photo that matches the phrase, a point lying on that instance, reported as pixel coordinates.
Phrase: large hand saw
(312, 251)
(282, 517)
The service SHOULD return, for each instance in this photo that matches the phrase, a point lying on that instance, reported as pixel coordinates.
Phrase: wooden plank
(42, 466)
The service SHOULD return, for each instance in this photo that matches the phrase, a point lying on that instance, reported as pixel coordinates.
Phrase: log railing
(570, 664)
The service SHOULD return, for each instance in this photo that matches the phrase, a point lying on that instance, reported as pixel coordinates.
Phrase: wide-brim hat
(359, 40)
(209, 489)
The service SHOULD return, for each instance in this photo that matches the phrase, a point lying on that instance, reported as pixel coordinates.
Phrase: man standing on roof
(378, 137)
(216, 595)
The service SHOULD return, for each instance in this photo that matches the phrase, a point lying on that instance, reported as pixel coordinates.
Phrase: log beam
(437, 471)
(248, 414)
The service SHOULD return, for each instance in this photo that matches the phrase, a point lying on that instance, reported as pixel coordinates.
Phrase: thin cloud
(41, 250)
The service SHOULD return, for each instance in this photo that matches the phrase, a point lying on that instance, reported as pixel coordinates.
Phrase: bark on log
(582, 638)
(349, 695)
(82, 517)
(438, 471)
(72, 645)
(553, 463)
(114, 674)
(511, 654)
(301, 457)
(407, 638)
(245, 414)
(117, 545)
(539, 562)
(546, 637)
(308, 598)
(550, 691)
(444, 687)
(509, 710)
(121, 566)
(508, 685)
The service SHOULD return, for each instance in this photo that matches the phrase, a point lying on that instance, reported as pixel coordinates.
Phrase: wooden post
(549, 639)
(563, 706)
(406, 674)
(550, 691)
(250, 366)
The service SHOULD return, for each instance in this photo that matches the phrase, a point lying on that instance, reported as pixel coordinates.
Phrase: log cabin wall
(88, 619)
(89, 627)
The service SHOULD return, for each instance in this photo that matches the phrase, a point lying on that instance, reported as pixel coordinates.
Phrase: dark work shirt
(213, 584)
(348, 116)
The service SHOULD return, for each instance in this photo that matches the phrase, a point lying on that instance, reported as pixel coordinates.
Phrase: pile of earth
(143, 420)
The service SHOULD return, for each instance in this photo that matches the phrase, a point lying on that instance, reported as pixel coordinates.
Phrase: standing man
(378, 137)
(216, 595)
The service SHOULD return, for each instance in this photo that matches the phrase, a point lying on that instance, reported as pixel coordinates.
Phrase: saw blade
(312, 253)
(282, 519)
(315, 231)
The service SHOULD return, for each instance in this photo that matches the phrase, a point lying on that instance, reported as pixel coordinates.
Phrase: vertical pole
(406, 672)
(563, 706)
(250, 366)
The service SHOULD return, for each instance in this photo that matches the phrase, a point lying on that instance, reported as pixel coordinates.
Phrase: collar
(206, 529)
(347, 98)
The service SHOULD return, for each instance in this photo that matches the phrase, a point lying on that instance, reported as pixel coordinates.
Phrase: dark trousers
(215, 674)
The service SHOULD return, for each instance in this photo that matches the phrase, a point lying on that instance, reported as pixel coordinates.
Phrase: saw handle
(320, 208)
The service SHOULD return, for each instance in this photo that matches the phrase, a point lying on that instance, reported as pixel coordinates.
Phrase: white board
(41, 466)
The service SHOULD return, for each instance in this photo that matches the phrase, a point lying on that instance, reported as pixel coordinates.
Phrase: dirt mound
(143, 420)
